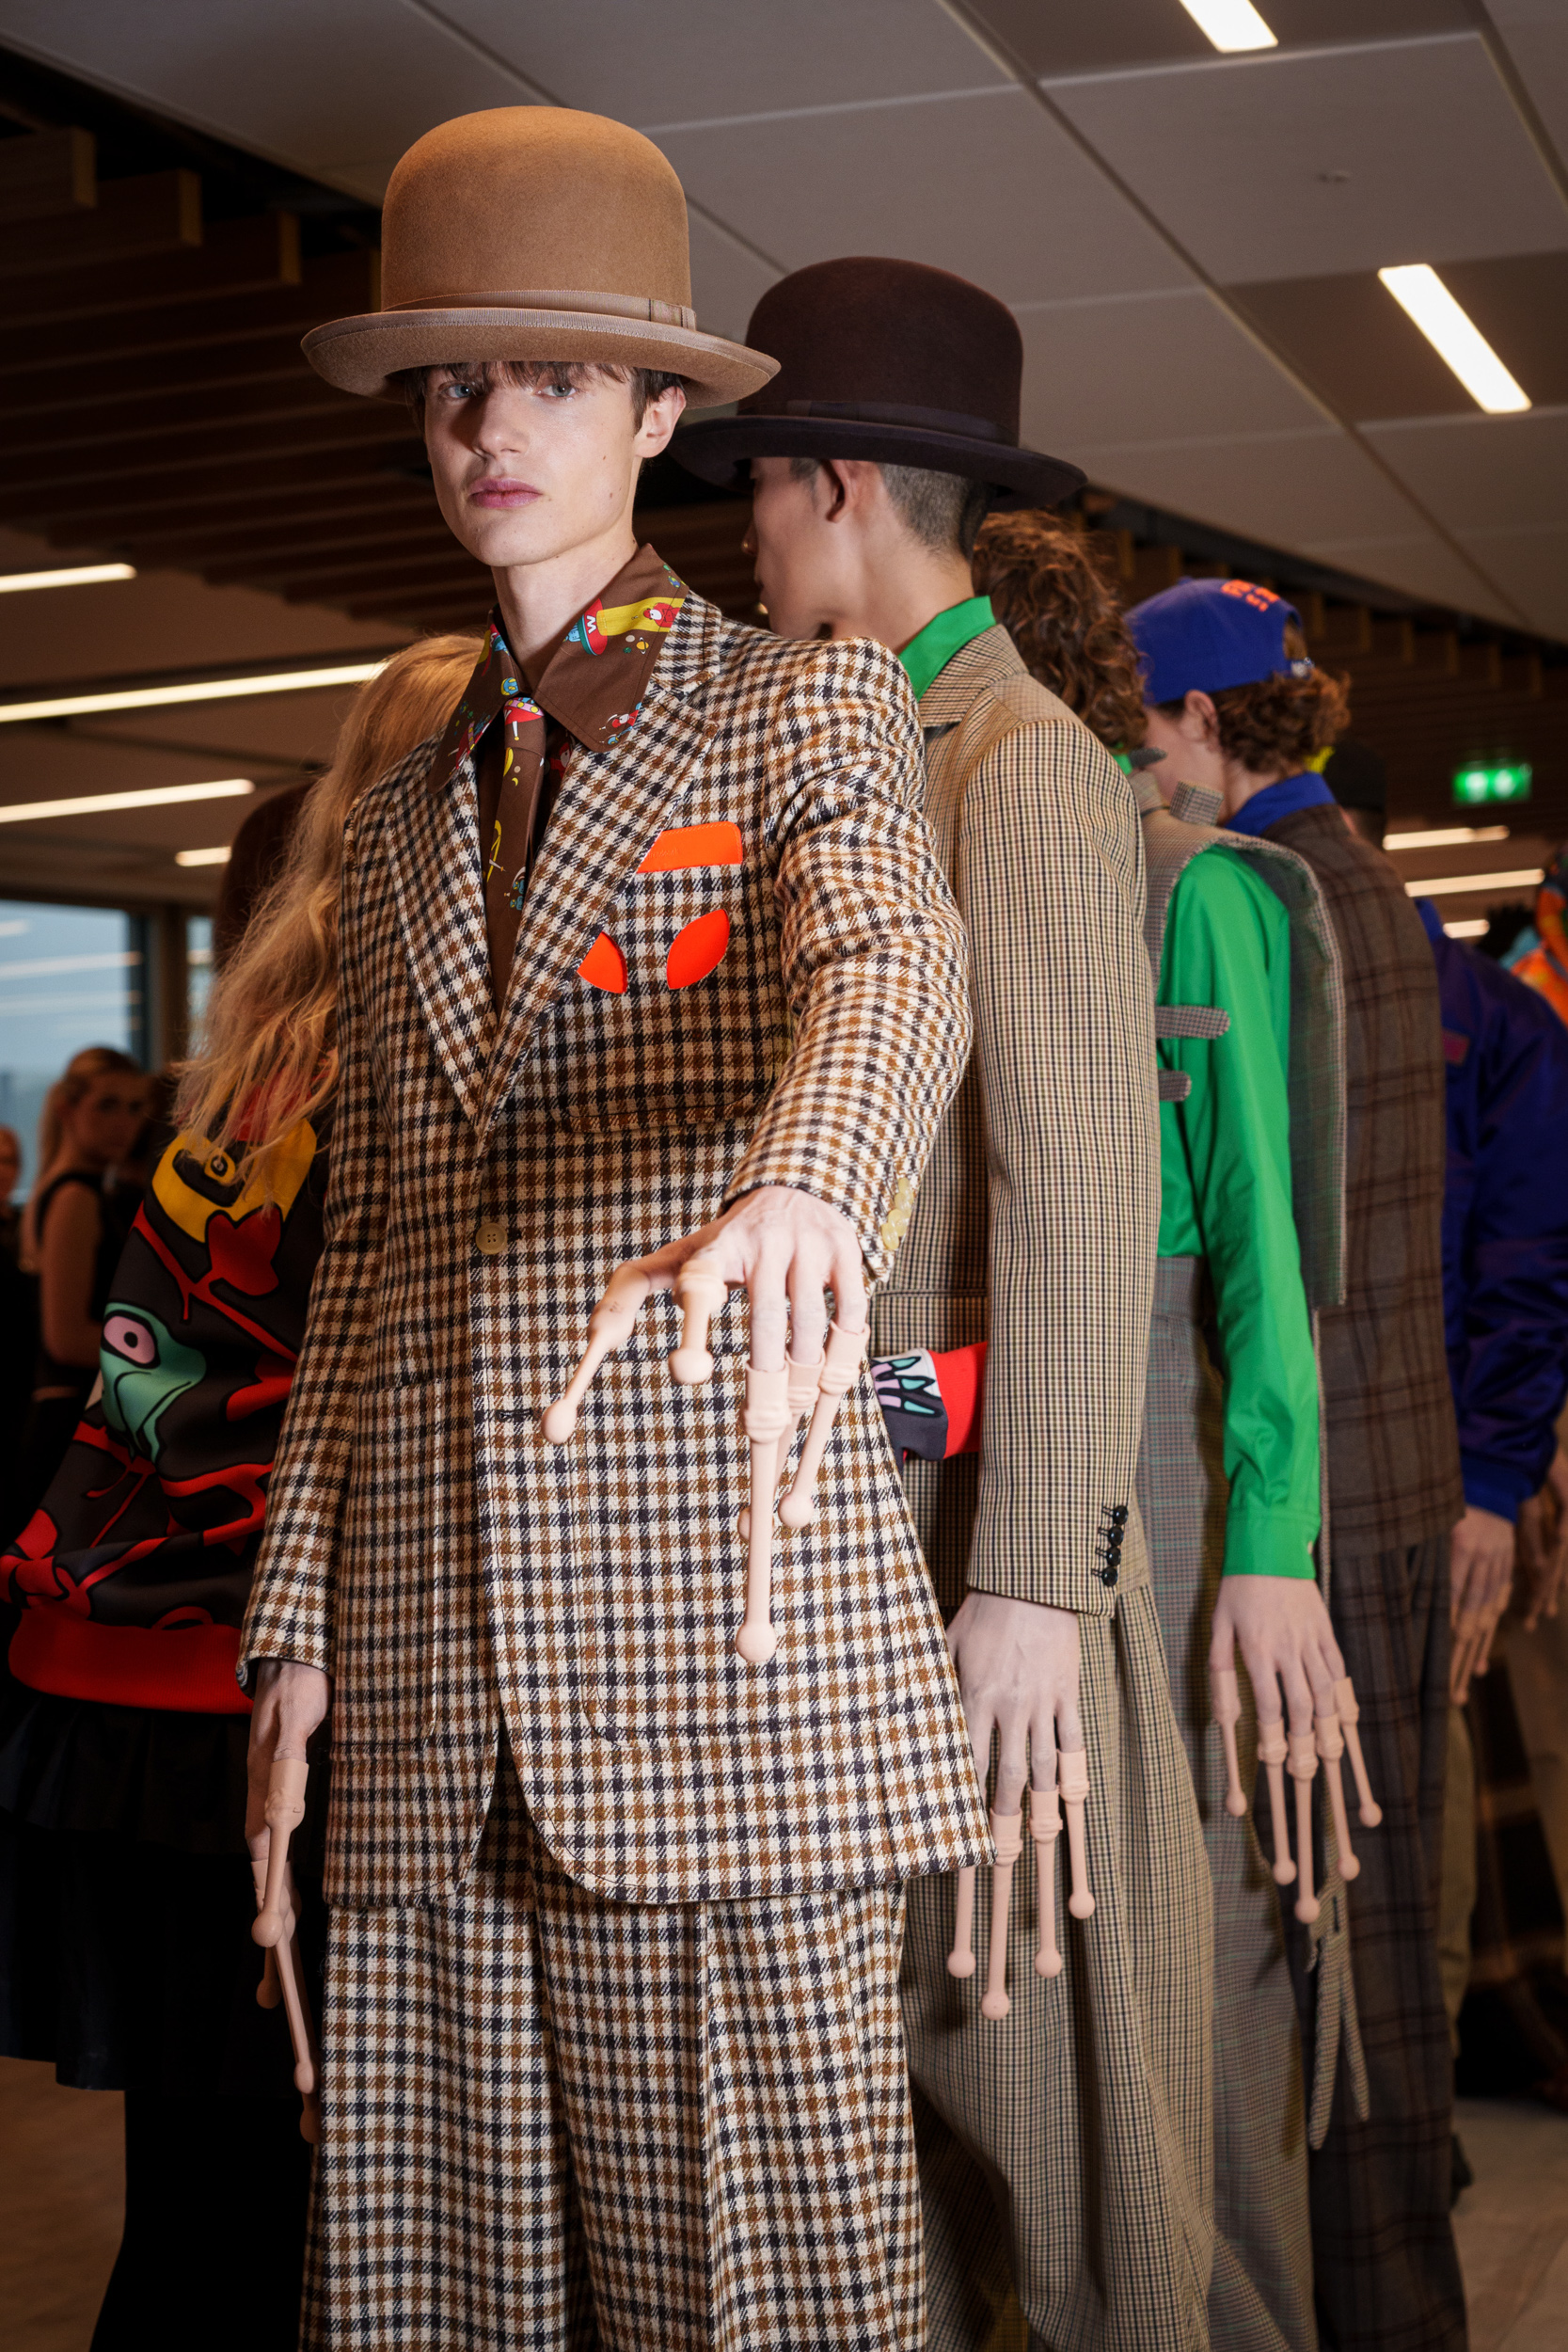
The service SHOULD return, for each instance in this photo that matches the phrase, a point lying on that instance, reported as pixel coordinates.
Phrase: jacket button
(490, 1237)
(1109, 1576)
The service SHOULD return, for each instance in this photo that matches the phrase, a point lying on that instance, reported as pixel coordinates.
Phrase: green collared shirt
(1225, 1165)
(929, 654)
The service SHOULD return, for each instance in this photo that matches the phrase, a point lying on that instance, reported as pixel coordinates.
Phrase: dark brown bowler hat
(886, 360)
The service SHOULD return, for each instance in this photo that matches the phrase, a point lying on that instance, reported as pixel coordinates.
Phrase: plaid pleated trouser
(1065, 2149)
(1387, 2271)
(553, 2121)
(1260, 2295)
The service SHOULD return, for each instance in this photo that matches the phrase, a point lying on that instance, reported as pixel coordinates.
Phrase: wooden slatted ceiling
(160, 409)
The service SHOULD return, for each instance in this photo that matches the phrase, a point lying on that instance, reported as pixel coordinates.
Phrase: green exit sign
(1474, 785)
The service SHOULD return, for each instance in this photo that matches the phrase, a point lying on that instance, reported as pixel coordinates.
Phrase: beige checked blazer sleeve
(1043, 1195)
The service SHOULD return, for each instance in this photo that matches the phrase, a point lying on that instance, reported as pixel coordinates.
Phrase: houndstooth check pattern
(695, 2129)
(424, 1545)
(1069, 2145)
(1260, 2295)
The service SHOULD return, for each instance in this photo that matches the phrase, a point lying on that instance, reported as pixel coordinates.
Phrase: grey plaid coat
(451, 1571)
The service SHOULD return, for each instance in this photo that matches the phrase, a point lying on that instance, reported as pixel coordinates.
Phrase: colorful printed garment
(591, 693)
(134, 1573)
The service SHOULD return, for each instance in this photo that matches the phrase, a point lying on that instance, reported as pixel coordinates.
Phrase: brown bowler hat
(533, 233)
(887, 360)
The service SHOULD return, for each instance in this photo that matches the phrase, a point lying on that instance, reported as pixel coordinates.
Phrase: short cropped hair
(1278, 721)
(944, 510)
(645, 384)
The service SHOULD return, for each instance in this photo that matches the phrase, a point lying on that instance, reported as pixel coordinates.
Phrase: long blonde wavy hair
(269, 1049)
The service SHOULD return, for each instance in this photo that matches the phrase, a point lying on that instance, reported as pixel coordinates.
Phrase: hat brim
(364, 355)
(720, 449)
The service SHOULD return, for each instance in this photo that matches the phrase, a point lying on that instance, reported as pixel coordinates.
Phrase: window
(199, 969)
(70, 976)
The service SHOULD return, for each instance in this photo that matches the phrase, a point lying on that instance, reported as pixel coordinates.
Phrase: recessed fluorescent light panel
(98, 803)
(1445, 836)
(1230, 24)
(207, 689)
(1449, 885)
(201, 857)
(1455, 337)
(76, 576)
(1472, 927)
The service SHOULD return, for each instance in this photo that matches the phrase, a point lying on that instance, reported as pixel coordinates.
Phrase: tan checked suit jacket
(1052, 1144)
(450, 1570)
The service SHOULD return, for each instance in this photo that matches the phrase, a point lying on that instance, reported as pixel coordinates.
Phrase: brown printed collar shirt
(591, 693)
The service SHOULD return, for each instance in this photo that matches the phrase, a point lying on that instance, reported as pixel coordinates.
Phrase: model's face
(104, 1124)
(524, 473)
(803, 560)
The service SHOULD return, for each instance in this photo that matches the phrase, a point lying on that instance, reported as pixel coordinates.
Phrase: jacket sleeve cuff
(1495, 1486)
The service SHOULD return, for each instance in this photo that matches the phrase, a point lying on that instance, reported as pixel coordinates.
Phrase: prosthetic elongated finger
(840, 1370)
(1045, 1827)
(1072, 1777)
(766, 1419)
(802, 1396)
(302, 2034)
(1350, 1715)
(1006, 1829)
(1225, 1693)
(700, 1292)
(1331, 1747)
(1303, 1769)
(610, 1326)
(269, 1991)
(1272, 1752)
(960, 1959)
(285, 1810)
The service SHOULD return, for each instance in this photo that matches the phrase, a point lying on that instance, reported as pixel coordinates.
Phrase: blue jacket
(1505, 1222)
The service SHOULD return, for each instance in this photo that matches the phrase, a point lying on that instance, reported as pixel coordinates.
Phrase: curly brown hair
(1279, 721)
(1060, 610)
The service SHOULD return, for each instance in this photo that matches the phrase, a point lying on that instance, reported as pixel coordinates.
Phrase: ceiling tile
(1484, 473)
(988, 186)
(727, 281)
(1535, 34)
(1533, 566)
(1422, 565)
(1352, 339)
(1282, 489)
(336, 91)
(693, 60)
(1158, 32)
(1303, 166)
(1168, 367)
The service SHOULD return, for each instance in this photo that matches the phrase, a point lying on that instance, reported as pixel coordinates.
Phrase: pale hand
(784, 1248)
(1481, 1579)
(1287, 1642)
(292, 1701)
(1018, 1663)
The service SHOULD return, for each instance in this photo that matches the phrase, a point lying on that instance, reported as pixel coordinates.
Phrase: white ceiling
(1113, 205)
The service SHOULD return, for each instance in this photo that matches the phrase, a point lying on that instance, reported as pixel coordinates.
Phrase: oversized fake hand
(291, 1703)
(1542, 1545)
(1017, 1663)
(785, 1248)
(1298, 1676)
(1481, 1579)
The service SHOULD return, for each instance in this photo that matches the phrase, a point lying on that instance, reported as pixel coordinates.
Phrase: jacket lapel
(434, 850)
(610, 805)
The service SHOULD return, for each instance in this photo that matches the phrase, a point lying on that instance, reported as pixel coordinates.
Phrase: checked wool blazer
(451, 1571)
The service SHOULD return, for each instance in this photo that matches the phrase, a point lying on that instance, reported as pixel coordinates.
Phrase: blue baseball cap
(1211, 634)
